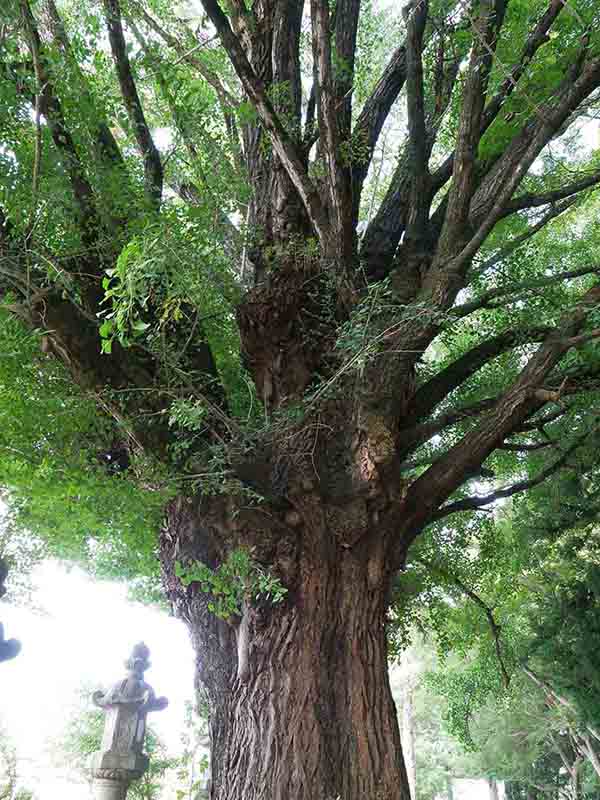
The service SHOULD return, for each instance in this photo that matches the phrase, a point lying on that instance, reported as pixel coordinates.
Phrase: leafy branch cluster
(238, 581)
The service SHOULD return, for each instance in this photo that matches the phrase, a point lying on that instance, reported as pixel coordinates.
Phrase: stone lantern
(121, 759)
(8, 647)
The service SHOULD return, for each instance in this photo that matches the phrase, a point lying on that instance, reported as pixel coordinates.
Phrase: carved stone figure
(8, 647)
(121, 759)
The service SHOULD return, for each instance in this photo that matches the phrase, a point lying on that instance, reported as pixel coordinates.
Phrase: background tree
(9, 772)
(439, 756)
(524, 628)
(318, 401)
(9, 769)
(515, 737)
(194, 759)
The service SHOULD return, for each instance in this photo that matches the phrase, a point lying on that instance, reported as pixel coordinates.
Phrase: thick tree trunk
(316, 719)
(300, 702)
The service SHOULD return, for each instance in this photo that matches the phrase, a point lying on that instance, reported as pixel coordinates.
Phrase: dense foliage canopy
(184, 267)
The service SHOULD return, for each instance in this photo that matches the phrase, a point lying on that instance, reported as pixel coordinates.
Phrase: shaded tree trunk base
(299, 696)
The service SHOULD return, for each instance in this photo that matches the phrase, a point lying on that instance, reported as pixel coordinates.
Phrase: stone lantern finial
(120, 759)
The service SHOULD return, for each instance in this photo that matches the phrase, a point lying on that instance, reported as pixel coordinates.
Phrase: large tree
(392, 352)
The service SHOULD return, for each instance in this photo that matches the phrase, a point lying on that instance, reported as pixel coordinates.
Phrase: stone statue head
(139, 660)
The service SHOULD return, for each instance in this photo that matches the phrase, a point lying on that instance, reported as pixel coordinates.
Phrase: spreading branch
(331, 127)
(513, 244)
(51, 109)
(525, 447)
(455, 374)
(485, 300)
(153, 169)
(489, 614)
(553, 196)
(415, 14)
(464, 176)
(103, 139)
(539, 423)
(189, 56)
(477, 502)
(536, 39)
(282, 142)
(427, 493)
(411, 438)
(549, 690)
(373, 116)
(381, 239)
(497, 190)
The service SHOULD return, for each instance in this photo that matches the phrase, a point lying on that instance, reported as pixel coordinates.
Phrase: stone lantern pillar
(120, 759)
(8, 647)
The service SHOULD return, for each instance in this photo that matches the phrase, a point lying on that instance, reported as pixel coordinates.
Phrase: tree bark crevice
(311, 714)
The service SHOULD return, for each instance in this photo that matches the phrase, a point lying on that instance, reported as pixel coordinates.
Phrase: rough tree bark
(299, 695)
(301, 701)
